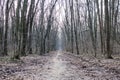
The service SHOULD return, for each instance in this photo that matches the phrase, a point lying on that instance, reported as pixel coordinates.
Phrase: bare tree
(48, 25)
(7, 10)
(1, 25)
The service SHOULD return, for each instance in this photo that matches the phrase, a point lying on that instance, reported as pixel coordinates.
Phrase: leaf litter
(60, 66)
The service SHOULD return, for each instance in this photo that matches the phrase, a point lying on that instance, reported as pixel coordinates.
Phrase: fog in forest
(59, 39)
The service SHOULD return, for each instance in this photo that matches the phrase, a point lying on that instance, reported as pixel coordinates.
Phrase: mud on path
(60, 66)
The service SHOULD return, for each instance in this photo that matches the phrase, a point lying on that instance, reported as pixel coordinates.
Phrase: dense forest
(32, 26)
(81, 27)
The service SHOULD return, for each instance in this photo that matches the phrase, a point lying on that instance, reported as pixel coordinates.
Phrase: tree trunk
(108, 31)
(6, 29)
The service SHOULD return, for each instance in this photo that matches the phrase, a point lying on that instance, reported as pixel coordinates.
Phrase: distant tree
(49, 22)
(72, 24)
(92, 23)
(24, 27)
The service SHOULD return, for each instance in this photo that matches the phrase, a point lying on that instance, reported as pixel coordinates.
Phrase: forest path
(60, 65)
(55, 68)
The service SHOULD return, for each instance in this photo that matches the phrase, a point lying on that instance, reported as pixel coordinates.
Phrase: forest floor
(60, 66)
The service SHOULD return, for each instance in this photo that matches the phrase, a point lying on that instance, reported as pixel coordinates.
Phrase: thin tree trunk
(6, 29)
(108, 32)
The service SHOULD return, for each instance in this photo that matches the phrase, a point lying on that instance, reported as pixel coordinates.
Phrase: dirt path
(56, 68)
(60, 66)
